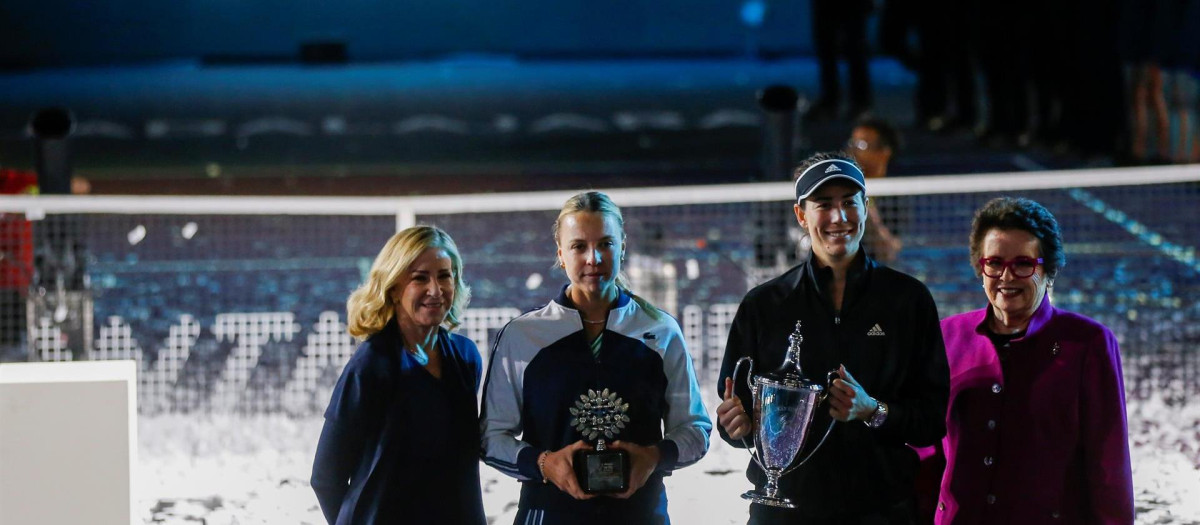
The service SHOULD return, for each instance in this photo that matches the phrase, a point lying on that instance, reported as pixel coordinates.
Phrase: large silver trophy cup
(784, 405)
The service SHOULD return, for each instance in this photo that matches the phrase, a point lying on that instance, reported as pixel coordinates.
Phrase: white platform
(68, 442)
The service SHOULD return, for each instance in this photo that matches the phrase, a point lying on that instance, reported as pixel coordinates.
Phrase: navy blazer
(399, 444)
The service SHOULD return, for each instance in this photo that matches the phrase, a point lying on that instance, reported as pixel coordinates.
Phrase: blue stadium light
(754, 12)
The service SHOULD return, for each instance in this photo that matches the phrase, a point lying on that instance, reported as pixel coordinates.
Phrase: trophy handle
(749, 383)
(749, 372)
(829, 377)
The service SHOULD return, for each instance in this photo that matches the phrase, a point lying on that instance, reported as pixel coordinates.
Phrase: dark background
(69, 33)
(373, 97)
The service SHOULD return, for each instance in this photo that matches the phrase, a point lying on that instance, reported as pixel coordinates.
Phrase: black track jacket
(888, 337)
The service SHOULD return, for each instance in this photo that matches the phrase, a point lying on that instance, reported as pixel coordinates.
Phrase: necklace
(581, 318)
(419, 353)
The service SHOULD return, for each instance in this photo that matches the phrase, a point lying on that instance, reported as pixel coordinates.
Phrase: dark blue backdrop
(68, 32)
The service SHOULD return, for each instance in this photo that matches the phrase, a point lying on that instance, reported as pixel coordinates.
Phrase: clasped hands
(847, 402)
(559, 467)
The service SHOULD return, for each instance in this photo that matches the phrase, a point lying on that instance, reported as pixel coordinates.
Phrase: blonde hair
(370, 307)
(598, 202)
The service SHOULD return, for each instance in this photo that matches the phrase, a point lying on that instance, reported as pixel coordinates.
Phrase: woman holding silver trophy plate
(877, 328)
(590, 400)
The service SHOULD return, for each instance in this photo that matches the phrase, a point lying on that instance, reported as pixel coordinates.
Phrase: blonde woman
(401, 440)
(595, 336)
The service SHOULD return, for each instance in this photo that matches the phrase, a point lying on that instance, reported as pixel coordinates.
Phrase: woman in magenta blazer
(1036, 429)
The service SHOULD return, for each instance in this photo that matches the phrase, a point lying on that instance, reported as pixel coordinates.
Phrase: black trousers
(1004, 56)
(844, 23)
(945, 71)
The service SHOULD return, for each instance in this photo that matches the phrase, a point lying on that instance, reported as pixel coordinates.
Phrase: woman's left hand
(642, 462)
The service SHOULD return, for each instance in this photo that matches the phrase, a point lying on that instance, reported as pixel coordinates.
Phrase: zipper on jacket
(837, 319)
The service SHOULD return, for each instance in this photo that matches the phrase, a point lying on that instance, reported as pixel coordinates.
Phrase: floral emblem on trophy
(598, 416)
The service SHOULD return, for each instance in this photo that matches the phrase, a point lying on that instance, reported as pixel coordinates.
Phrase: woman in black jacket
(400, 442)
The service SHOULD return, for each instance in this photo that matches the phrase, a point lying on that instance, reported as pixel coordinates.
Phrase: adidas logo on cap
(832, 168)
(875, 331)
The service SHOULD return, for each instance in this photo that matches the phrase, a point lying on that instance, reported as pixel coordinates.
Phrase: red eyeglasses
(1021, 267)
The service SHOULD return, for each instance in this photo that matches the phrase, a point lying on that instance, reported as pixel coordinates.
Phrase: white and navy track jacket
(541, 363)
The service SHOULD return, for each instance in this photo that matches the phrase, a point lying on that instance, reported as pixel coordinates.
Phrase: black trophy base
(602, 471)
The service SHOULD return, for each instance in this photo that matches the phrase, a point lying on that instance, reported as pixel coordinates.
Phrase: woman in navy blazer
(401, 439)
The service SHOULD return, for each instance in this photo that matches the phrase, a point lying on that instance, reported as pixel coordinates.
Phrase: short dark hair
(1015, 213)
(889, 137)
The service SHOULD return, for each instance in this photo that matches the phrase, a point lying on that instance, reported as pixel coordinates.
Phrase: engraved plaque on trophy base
(602, 471)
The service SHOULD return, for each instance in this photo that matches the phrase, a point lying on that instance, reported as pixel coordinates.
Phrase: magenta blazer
(1041, 436)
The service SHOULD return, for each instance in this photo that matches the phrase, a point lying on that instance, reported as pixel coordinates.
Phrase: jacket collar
(821, 275)
(1041, 317)
(390, 337)
(565, 300)
(818, 277)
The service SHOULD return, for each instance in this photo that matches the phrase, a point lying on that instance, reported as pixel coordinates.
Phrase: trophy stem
(772, 486)
(600, 446)
(769, 494)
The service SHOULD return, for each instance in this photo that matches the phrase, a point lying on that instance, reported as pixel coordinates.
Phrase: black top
(888, 336)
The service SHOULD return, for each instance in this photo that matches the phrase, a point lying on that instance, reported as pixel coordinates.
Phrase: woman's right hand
(559, 469)
(732, 415)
